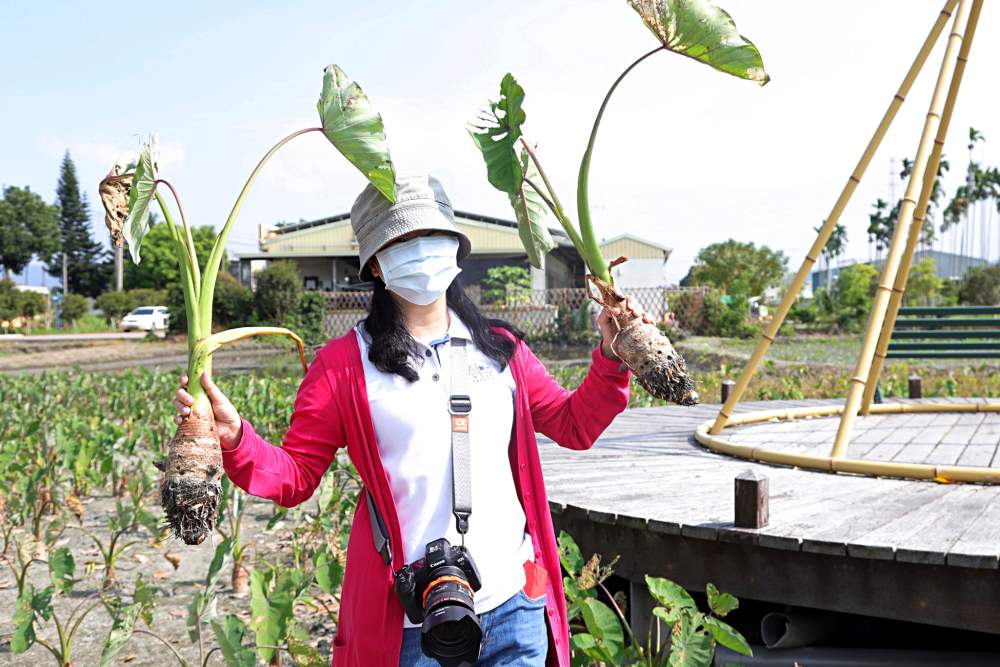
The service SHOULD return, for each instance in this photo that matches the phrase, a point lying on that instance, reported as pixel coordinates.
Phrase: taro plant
(35, 605)
(693, 28)
(190, 487)
(605, 636)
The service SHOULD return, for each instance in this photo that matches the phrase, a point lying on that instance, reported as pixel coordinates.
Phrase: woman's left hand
(608, 328)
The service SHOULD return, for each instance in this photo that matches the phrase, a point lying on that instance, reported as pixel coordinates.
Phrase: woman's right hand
(228, 424)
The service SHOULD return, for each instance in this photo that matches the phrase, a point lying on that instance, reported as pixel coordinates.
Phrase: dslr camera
(437, 591)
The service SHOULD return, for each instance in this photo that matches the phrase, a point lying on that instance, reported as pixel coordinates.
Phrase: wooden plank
(925, 534)
(979, 545)
(836, 535)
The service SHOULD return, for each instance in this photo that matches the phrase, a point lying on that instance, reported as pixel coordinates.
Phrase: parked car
(146, 318)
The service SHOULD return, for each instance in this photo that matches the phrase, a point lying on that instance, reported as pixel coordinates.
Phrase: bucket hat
(421, 203)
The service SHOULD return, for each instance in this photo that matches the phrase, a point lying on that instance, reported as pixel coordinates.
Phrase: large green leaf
(140, 197)
(690, 645)
(24, 623)
(230, 637)
(720, 603)
(62, 567)
(329, 572)
(355, 128)
(532, 214)
(726, 635)
(669, 594)
(569, 553)
(603, 624)
(121, 631)
(497, 134)
(700, 30)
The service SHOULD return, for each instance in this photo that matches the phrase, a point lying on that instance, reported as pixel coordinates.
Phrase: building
(326, 254)
(948, 266)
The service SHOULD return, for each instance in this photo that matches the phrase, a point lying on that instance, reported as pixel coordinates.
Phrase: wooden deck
(905, 549)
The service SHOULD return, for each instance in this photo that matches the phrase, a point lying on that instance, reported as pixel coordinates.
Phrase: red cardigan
(331, 411)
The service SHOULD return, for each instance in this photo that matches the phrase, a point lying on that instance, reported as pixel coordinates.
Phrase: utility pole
(119, 267)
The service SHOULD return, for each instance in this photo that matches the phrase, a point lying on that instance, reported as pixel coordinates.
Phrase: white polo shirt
(413, 429)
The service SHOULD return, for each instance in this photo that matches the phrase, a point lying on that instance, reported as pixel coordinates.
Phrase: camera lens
(451, 630)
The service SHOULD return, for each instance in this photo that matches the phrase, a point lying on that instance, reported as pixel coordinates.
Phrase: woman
(381, 390)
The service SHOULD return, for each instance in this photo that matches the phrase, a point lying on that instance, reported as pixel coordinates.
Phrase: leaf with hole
(496, 136)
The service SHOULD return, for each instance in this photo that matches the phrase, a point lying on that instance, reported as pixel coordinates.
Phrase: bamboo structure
(881, 302)
(891, 287)
(916, 229)
(832, 219)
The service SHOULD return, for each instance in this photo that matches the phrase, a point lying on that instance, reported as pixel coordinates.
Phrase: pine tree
(83, 263)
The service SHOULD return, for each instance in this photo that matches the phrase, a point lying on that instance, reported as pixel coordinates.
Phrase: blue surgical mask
(421, 269)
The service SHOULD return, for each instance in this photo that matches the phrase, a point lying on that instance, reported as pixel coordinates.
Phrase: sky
(686, 156)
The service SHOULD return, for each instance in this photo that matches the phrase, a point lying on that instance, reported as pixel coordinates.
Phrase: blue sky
(686, 156)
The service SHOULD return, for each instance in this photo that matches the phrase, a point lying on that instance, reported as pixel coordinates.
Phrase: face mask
(420, 270)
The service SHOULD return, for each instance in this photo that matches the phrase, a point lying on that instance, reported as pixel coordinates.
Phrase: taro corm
(693, 28)
(190, 487)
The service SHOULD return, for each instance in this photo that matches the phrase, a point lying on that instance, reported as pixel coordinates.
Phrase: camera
(437, 591)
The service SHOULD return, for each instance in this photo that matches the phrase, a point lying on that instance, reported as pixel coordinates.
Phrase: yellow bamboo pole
(880, 304)
(832, 219)
(940, 473)
(930, 178)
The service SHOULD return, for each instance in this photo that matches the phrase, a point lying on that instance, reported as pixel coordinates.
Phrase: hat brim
(399, 223)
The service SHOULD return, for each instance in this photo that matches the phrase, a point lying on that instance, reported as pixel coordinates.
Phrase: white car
(146, 318)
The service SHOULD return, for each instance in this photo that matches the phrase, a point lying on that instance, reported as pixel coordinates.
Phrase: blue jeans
(514, 635)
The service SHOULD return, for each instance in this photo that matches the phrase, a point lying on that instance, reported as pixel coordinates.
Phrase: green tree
(836, 246)
(233, 305)
(923, 284)
(849, 303)
(29, 306)
(882, 220)
(505, 285)
(980, 287)
(158, 268)
(8, 301)
(738, 268)
(74, 307)
(279, 290)
(28, 227)
(115, 305)
(84, 265)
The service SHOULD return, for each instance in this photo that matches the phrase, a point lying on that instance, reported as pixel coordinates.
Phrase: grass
(85, 325)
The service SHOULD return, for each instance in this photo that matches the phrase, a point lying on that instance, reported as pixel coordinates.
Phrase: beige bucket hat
(421, 203)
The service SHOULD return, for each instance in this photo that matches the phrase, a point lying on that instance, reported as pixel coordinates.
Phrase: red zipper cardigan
(331, 411)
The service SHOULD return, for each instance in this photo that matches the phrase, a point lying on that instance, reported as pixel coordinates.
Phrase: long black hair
(393, 349)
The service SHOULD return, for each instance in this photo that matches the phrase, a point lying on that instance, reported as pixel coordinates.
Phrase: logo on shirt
(481, 372)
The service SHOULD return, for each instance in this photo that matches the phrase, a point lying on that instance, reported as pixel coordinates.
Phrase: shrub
(849, 303)
(74, 307)
(234, 304)
(279, 291)
(506, 285)
(309, 321)
(115, 305)
(980, 287)
(144, 296)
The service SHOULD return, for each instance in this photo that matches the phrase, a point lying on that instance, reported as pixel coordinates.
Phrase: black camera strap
(459, 406)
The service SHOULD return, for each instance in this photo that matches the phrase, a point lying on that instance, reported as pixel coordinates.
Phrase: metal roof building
(326, 254)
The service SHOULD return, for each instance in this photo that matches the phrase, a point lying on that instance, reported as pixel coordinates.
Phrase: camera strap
(459, 406)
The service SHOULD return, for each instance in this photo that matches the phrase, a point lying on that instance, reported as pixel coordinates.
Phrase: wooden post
(792, 294)
(916, 391)
(751, 500)
(727, 389)
(880, 304)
